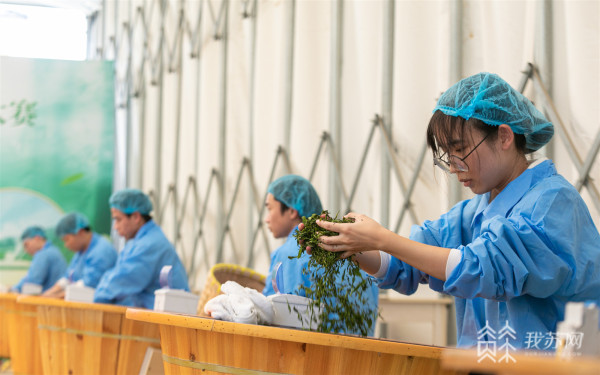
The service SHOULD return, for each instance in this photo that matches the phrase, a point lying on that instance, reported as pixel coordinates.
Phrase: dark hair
(145, 217)
(443, 127)
(284, 207)
(87, 229)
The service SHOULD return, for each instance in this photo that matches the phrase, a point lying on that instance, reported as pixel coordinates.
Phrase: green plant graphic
(19, 113)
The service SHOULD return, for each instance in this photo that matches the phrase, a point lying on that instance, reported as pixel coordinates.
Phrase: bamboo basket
(90, 338)
(23, 337)
(222, 272)
(4, 308)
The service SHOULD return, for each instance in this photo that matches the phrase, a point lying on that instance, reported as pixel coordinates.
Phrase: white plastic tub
(292, 311)
(79, 293)
(31, 289)
(176, 301)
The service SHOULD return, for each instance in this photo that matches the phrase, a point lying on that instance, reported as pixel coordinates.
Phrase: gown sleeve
(541, 249)
(447, 231)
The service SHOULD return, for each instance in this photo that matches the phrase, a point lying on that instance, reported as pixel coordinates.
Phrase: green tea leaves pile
(338, 287)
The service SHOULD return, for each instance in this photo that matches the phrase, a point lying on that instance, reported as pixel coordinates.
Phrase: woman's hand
(364, 234)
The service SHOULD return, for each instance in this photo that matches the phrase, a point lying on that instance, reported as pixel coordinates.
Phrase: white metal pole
(456, 66)
(335, 100)
(543, 52)
(387, 96)
(223, 131)
(253, 19)
(290, 32)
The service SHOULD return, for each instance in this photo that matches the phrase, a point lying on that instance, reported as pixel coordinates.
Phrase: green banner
(57, 130)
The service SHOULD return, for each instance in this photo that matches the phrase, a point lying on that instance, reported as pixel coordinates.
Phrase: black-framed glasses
(452, 160)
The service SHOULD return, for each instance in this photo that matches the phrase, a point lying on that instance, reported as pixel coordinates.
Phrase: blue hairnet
(489, 98)
(71, 224)
(298, 193)
(32, 232)
(129, 201)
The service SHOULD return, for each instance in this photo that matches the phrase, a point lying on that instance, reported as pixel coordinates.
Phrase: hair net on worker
(129, 201)
(489, 98)
(71, 224)
(298, 193)
(32, 232)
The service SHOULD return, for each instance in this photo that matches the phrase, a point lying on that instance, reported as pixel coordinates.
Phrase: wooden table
(90, 338)
(532, 363)
(195, 345)
(5, 305)
(23, 338)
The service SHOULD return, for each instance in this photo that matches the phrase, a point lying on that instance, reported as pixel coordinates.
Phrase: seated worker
(290, 198)
(94, 255)
(135, 277)
(48, 264)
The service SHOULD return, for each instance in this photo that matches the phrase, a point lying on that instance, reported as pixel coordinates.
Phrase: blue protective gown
(90, 264)
(524, 256)
(293, 276)
(135, 277)
(47, 266)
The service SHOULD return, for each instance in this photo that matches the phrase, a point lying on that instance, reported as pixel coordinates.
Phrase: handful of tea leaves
(338, 287)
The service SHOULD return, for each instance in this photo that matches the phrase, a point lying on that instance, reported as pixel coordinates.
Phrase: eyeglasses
(452, 160)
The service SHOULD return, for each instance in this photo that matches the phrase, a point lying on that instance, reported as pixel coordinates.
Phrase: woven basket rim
(231, 266)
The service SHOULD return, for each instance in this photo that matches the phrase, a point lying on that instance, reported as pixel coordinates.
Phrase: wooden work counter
(23, 337)
(525, 364)
(89, 338)
(6, 301)
(192, 344)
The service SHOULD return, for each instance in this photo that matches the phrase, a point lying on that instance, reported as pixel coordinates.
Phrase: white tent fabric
(497, 36)
(87, 6)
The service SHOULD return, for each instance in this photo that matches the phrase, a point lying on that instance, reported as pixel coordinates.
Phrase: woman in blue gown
(513, 255)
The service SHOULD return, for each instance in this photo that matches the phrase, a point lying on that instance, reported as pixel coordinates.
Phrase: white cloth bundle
(241, 305)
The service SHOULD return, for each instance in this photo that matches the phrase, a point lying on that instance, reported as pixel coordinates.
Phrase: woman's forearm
(369, 261)
(429, 259)
(366, 234)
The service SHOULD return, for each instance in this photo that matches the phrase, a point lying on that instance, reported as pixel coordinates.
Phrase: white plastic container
(292, 310)
(31, 289)
(79, 293)
(176, 301)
